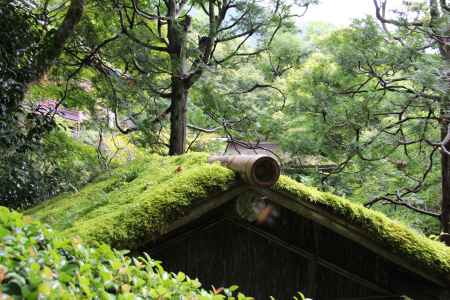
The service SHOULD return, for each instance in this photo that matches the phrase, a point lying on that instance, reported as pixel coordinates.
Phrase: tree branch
(404, 204)
(444, 5)
(204, 130)
(145, 14)
(380, 12)
(55, 40)
(446, 142)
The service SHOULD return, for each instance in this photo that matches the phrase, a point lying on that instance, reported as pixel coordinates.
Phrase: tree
(31, 41)
(433, 28)
(381, 95)
(228, 31)
(32, 38)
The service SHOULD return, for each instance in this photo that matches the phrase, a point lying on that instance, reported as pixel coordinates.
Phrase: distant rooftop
(52, 105)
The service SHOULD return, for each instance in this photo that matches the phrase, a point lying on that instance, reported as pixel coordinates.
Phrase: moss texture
(136, 201)
(141, 199)
(392, 235)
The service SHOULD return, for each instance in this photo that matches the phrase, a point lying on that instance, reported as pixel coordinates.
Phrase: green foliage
(338, 107)
(288, 50)
(38, 263)
(222, 97)
(60, 164)
(167, 188)
(20, 36)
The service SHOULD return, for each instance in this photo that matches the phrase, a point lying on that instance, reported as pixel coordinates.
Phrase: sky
(341, 12)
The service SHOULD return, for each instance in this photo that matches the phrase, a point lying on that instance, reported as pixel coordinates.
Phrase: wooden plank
(312, 257)
(342, 227)
(311, 289)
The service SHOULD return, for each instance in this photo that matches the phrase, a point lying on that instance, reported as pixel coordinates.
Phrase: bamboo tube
(260, 170)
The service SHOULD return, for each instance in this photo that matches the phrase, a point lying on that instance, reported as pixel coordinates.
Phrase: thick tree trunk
(177, 37)
(178, 117)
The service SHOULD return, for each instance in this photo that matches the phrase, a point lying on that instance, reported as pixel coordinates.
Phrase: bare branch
(261, 86)
(204, 130)
(145, 14)
(403, 203)
(380, 11)
(197, 135)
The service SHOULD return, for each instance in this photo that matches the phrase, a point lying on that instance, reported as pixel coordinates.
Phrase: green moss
(394, 236)
(140, 200)
(121, 209)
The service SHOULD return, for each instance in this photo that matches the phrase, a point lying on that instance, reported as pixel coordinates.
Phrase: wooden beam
(344, 228)
(169, 241)
(205, 207)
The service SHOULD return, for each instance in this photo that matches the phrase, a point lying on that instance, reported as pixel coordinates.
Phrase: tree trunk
(177, 37)
(445, 158)
(178, 117)
(55, 41)
(445, 170)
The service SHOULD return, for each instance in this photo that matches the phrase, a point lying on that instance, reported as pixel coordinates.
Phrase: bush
(59, 164)
(37, 263)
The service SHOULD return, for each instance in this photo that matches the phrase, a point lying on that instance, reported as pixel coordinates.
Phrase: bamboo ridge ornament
(260, 170)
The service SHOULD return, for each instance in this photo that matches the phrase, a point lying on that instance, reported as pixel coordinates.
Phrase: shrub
(37, 263)
(58, 164)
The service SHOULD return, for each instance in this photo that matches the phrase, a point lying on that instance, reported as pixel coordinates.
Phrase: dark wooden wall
(281, 257)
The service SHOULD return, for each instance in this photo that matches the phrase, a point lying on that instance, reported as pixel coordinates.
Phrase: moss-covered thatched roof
(137, 200)
(143, 199)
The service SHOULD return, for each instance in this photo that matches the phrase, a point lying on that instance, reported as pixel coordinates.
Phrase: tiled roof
(52, 105)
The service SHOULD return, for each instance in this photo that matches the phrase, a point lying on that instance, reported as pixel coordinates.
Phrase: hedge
(39, 263)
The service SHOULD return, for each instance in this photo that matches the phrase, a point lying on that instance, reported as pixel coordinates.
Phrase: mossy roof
(143, 198)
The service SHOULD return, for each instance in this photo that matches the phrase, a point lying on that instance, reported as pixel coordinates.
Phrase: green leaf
(181, 276)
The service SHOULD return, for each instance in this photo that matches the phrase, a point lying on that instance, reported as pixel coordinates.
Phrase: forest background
(368, 98)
